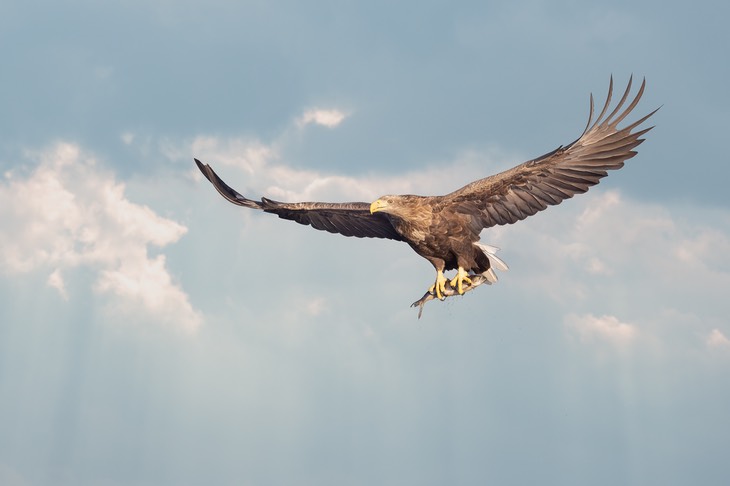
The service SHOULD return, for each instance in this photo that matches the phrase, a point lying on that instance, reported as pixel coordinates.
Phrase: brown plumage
(445, 229)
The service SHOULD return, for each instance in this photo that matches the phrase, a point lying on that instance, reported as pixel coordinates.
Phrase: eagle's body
(445, 229)
(441, 232)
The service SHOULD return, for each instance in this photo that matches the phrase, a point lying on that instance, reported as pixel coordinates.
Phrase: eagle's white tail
(494, 262)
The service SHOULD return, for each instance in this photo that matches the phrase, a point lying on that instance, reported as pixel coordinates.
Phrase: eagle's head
(395, 205)
(382, 204)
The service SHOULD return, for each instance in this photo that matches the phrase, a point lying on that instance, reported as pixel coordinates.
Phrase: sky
(153, 334)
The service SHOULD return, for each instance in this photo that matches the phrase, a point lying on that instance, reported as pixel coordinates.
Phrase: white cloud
(318, 116)
(709, 248)
(146, 284)
(716, 339)
(127, 138)
(250, 155)
(267, 175)
(55, 280)
(316, 306)
(605, 328)
(664, 269)
(596, 266)
(68, 213)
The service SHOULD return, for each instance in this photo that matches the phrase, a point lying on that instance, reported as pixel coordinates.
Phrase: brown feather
(560, 174)
(349, 219)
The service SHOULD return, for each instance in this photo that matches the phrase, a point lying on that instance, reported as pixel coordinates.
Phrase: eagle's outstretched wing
(522, 191)
(349, 219)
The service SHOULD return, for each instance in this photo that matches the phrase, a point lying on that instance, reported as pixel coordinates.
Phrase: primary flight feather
(445, 229)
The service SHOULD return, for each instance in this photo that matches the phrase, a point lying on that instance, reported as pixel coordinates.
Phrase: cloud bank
(67, 213)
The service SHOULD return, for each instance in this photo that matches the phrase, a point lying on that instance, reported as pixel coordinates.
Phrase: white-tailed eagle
(445, 229)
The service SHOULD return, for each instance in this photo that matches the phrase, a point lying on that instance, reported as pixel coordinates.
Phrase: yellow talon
(439, 287)
(458, 281)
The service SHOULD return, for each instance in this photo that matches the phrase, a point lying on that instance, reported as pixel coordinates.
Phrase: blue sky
(153, 334)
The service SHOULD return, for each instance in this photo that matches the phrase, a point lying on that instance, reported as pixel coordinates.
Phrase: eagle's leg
(458, 281)
(439, 287)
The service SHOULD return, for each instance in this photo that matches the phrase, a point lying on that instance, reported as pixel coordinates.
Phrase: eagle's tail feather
(490, 276)
(494, 261)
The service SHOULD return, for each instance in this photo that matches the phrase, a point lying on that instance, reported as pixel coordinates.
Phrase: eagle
(445, 230)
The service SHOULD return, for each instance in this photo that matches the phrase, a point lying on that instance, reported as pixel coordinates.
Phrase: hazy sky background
(153, 334)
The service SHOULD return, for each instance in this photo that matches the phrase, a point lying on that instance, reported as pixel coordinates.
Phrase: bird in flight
(445, 229)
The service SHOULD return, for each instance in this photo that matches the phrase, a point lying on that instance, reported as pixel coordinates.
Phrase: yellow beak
(378, 205)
